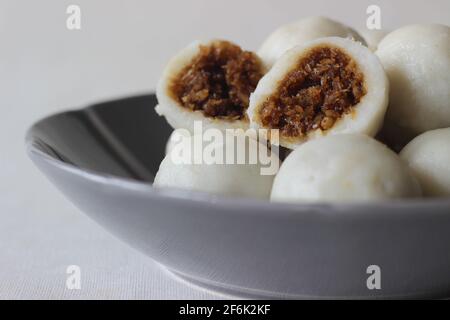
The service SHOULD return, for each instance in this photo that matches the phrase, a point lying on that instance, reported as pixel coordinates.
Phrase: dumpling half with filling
(210, 82)
(323, 87)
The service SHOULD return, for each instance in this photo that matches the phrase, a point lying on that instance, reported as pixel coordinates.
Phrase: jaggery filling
(218, 81)
(324, 86)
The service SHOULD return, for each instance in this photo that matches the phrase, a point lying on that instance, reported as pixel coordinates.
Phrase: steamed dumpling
(210, 83)
(299, 32)
(417, 61)
(428, 156)
(323, 87)
(343, 168)
(242, 179)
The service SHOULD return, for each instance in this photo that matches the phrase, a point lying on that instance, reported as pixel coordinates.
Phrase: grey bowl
(104, 158)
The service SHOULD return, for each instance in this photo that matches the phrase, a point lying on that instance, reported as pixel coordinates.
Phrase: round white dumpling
(428, 156)
(373, 37)
(343, 168)
(186, 167)
(208, 83)
(323, 87)
(417, 61)
(299, 32)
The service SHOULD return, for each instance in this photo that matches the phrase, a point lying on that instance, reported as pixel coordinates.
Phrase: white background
(120, 50)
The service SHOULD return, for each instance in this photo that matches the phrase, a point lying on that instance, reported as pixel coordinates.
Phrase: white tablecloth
(120, 50)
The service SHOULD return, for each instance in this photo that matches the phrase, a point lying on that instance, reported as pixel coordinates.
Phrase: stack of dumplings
(357, 118)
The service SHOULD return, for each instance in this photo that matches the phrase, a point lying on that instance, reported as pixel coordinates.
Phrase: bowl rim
(198, 198)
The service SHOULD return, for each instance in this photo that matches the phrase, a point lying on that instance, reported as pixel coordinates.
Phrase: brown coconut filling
(325, 85)
(218, 81)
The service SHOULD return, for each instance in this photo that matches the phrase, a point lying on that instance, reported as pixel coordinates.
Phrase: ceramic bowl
(104, 158)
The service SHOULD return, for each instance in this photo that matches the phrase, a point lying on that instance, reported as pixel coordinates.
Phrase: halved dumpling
(209, 82)
(327, 86)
